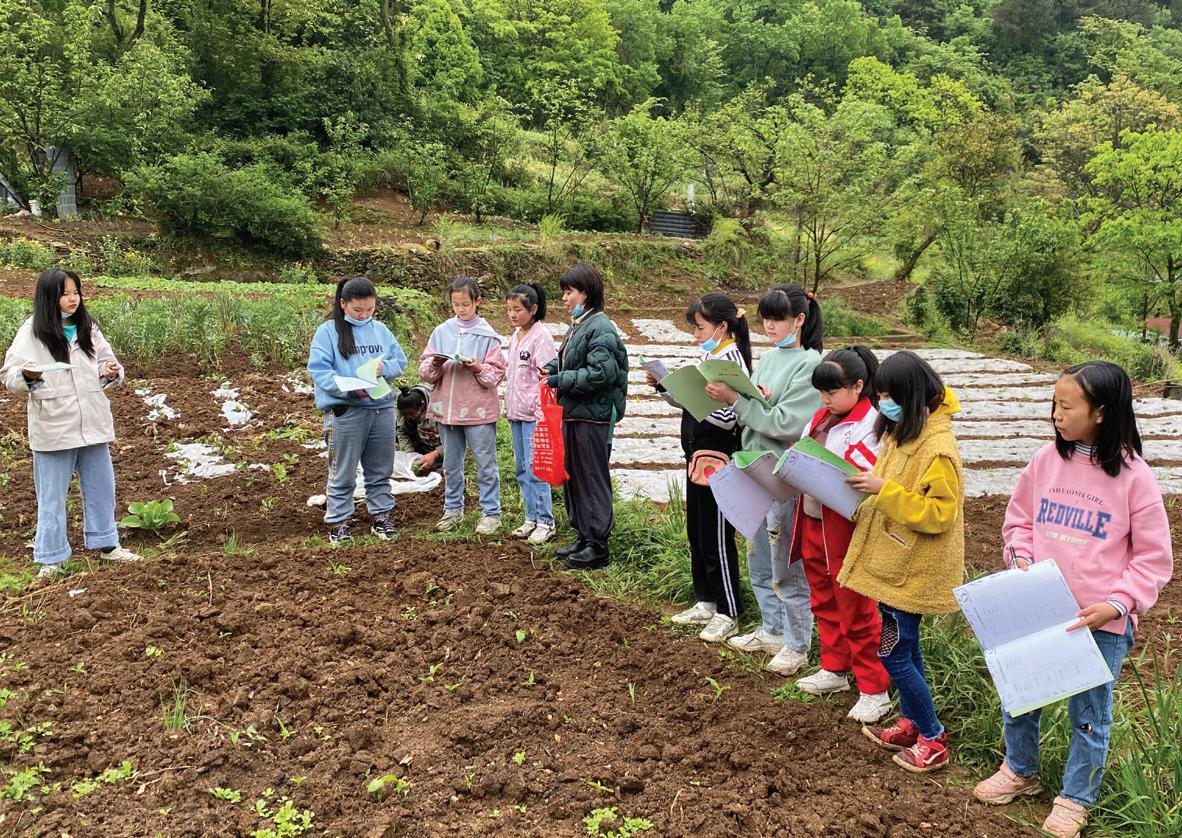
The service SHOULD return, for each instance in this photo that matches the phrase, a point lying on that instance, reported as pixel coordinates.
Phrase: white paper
(740, 499)
(50, 367)
(656, 367)
(821, 481)
(348, 384)
(1021, 619)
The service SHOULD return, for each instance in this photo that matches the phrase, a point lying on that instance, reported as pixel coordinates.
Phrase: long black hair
(913, 385)
(583, 277)
(467, 285)
(47, 315)
(1107, 387)
(719, 308)
(786, 302)
(348, 289)
(845, 368)
(529, 296)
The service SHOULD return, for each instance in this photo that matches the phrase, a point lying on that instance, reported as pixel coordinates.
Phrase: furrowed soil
(510, 698)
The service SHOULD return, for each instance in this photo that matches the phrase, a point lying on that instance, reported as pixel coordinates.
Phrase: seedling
(409, 614)
(154, 516)
(152, 652)
(382, 787)
(429, 678)
(512, 615)
(173, 707)
(598, 786)
(519, 757)
(24, 783)
(110, 776)
(530, 681)
(320, 734)
(631, 693)
(286, 821)
(339, 568)
(249, 737)
(521, 634)
(268, 503)
(627, 826)
(229, 795)
(284, 732)
(718, 688)
(79, 668)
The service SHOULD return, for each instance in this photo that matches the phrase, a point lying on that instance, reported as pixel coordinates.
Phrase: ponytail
(719, 308)
(845, 368)
(785, 302)
(529, 296)
(348, 289)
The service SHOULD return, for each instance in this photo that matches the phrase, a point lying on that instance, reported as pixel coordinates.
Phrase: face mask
(354, 321)
(787, 342)
(66, 315)
(890, 410)
(577, 311)
(712, 344)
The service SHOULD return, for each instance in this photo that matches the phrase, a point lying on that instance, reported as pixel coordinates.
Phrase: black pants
(588, 493)
(713, 556)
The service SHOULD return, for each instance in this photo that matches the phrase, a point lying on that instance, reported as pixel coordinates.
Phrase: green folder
(688, 385)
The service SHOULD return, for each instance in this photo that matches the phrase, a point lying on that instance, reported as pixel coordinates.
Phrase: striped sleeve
(725, 417)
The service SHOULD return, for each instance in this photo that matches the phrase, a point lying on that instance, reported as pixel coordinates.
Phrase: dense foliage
(1020, 155)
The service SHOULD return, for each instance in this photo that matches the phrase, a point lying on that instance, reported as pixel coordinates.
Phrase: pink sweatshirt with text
(1109, 535)
(528, 353)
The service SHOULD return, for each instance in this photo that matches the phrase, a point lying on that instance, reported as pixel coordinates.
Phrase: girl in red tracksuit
(847, 622)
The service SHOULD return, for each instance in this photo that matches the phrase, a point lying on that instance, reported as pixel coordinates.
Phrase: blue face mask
(577, 311)
(712, 344)
(354, 321)
(787, 342)
(890, 410)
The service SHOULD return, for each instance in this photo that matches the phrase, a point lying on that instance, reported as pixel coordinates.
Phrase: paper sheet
(746, 489)
(820, 473)
(348, 384)
(1021, 619)
(688, 385)
(369, 372)
(656, 367)
(50, 367)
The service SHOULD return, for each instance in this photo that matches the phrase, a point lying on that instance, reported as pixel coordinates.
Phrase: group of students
(1087, 499)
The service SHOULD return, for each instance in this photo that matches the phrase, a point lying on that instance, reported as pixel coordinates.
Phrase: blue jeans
(902, 659)
(481, 440)
(1091, 727)
(781, 590)
(535, 492)
(52, 471)
(365, 436)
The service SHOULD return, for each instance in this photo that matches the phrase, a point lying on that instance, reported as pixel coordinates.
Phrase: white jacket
(67, 408)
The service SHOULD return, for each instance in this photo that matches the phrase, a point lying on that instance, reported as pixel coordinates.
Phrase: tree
(565, 118)
(341, 166)
(446, 63)
(644, 155)
(493, 137)
(1137, 215)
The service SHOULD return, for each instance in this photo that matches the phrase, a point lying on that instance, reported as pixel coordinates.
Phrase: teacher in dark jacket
(590, 377)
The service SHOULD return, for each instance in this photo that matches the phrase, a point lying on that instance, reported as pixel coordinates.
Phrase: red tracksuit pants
(847, 622)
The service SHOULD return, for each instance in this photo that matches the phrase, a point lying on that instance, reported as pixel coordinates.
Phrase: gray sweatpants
(359, 435)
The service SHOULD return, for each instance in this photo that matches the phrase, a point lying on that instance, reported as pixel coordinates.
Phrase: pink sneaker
(1066, 820)
(1004, 786)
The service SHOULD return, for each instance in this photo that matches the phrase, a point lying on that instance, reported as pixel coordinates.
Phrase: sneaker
(339, 533)
(925, 755)
(120, 554)
(787, 662)
(1004, 786)
(541, 534)
(698, 614)
(449, 522)
(49, 572)
(823, 682)
(870, 707)
(757, 641)
(902, 734)
(1066, 820)
(524, 530)
(488, 525)
(384, 529)
(719, 629)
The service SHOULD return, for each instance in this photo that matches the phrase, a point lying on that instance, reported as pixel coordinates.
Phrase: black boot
(593, 556)
(572, 548)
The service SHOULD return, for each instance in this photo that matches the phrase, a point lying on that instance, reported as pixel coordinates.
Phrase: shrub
(840, 319)
(198, 195)
(26, 253)
(1073, 340)
(12, 314)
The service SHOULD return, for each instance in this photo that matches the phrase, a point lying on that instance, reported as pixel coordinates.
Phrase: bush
(840, 319)
(605, 214)
(26, 253)
(1072, 340)
(12, 314)
(196, 194)
(120, 262)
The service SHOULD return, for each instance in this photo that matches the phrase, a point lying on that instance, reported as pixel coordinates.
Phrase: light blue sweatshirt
(373, 340)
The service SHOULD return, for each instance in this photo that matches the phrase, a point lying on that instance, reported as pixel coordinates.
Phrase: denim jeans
(1091, 727)
(535, 492)
(781, 590)
(481, 440)
(902, 659)
(365, 436)
(52, 471)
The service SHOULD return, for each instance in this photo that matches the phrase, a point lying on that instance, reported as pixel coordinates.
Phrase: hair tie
(741, 313)
(808, 295)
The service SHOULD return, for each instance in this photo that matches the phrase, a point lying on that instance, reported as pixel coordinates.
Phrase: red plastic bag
(549, 454)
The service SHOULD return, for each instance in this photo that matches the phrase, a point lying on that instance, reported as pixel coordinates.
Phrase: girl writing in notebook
(1090, 502)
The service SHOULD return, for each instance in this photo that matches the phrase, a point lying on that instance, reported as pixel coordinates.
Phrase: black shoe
(589, 558)
(384, 529)
(339, 533)
(572, 548)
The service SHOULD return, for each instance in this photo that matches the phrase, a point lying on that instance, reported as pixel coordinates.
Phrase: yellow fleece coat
(907, 549)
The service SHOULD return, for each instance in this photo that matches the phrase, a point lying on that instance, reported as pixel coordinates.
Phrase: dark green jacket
(590, 374)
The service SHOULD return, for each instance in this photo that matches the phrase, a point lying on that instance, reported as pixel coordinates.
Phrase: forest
(1021, 158)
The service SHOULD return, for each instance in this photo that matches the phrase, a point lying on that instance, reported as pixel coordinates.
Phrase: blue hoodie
(373, 340)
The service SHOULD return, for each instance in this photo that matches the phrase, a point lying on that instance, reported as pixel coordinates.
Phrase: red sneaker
(925, 755)
(902, 734)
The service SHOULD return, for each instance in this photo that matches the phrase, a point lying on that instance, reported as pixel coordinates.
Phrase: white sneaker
(524, 530)
(757, 641)
(870, 708)
(120, 554)
(488, 525)
(698, 614)
(787, 662)
(52, 571)
(541, 534)
(719, 629)
(823, 682)
(449, 522)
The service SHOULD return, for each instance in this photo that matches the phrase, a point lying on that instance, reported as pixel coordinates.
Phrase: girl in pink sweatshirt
(1091, 503)
(530, 349)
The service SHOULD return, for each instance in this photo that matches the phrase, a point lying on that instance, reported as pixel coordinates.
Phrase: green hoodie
(787, 373)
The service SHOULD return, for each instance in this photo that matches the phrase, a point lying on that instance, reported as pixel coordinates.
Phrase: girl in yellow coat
(907, 550)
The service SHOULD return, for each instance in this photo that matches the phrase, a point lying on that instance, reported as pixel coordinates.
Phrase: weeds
(519, 758)
(429, 678)
(229, 795)
(248, 737)
(174, 705)
(382, 787)
(110, 777)
(596, 821)
(338, 568)
(718, 688)
(24, 783)
(520, 635)
(286, 820)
